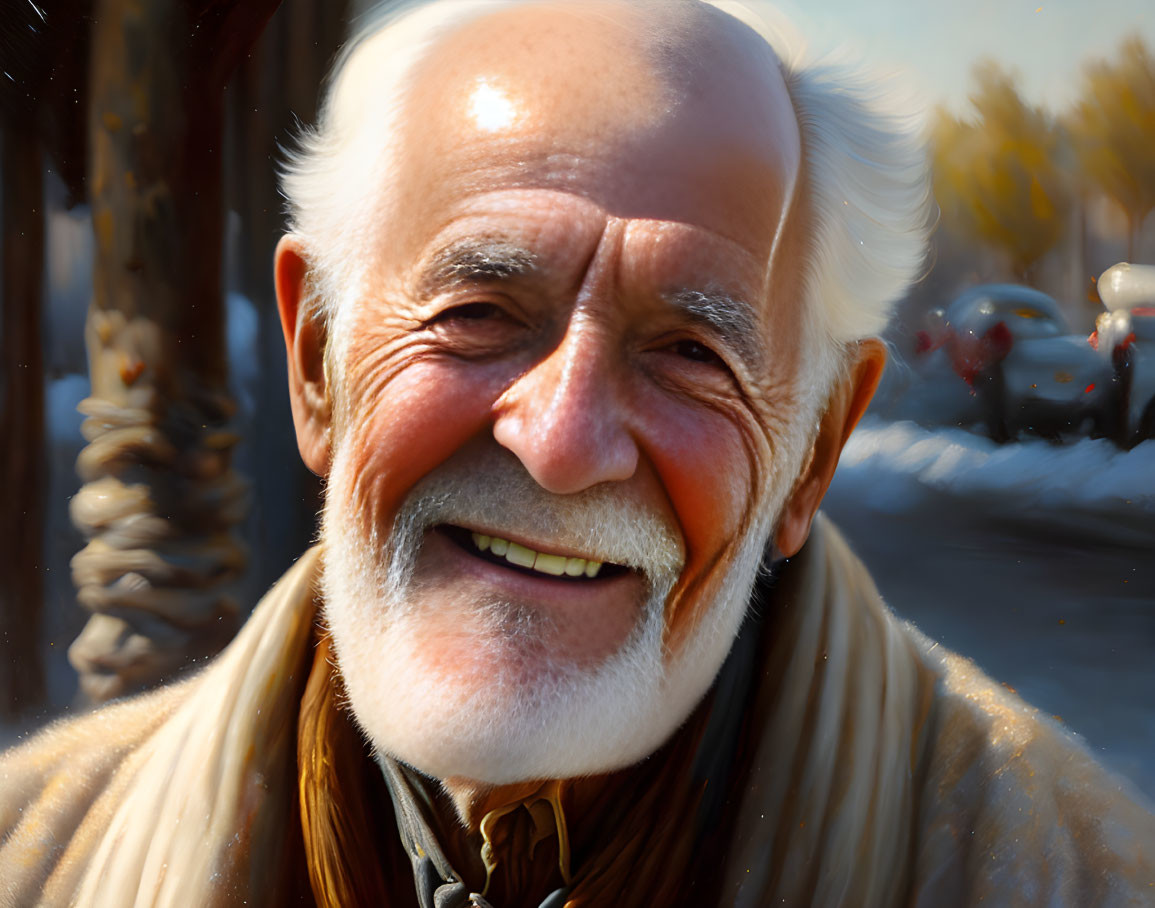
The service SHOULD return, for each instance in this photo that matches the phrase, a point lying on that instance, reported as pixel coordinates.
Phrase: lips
(507, 553)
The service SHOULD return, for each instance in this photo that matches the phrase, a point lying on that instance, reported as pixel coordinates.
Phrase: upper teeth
(555, 565)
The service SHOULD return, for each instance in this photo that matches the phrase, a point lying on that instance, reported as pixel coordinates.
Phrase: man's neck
(475, 800)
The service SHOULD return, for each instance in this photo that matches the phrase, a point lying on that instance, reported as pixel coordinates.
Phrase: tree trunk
(160, 498)
(22, 455)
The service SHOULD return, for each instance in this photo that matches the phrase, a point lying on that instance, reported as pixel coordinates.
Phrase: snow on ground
(1090, 474)
(1090, 483)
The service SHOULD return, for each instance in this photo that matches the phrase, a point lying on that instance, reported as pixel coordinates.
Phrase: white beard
(516, 712)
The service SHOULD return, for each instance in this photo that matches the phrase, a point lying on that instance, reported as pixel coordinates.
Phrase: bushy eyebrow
(478, 261)
(731, 318)
(474, 261)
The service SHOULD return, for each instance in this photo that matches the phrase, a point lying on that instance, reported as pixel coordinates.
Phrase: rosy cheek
(413, 423)
(707, 472)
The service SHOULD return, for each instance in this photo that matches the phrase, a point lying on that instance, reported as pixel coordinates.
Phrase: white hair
(864, 173)
(864, 181)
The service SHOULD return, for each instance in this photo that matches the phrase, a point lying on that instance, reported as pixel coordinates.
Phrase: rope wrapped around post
(159, 501)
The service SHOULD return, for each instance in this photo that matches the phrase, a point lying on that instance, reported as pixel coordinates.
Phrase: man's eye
(469, 312)
(696, 352)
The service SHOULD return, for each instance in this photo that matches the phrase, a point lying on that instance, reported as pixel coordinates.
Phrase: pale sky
(935, 42)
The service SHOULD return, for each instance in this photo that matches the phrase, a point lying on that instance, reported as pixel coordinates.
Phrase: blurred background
(1001, 488)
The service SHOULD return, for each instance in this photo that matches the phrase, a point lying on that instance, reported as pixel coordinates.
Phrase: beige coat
(889, 772)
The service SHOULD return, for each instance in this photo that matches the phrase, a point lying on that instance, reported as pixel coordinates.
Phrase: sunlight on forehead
(490, 107)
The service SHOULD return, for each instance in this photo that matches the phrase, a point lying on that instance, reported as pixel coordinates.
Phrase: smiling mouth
(508, 554)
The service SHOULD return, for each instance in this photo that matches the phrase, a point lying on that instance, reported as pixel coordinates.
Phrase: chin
(499, 707)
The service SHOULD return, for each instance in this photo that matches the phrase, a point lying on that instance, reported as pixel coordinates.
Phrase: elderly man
(579, 301)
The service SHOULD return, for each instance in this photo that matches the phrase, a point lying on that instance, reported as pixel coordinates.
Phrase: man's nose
(565, 418)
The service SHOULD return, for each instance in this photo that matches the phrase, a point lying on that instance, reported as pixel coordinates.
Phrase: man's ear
(848, 401)
(305, 345)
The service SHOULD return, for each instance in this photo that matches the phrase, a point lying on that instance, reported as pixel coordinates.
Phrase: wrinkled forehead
(671, 111)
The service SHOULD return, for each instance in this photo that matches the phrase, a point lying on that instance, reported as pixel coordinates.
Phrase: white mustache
(492, 490)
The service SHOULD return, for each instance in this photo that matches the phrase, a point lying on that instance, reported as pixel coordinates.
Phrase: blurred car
(1011, 345)
(1124, 336)
(927, 391)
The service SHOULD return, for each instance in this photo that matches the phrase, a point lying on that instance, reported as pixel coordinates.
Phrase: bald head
(649, 88)
(598, 72)
(663, 112)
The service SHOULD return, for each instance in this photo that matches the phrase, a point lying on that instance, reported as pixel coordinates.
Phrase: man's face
(576, 343)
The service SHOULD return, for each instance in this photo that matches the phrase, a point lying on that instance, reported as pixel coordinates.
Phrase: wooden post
(22, 455)
(274, 87)
(160, 497)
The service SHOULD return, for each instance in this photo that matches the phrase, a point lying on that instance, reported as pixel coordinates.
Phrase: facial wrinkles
(732, 320)
(690, 599)
(758, 410)
(569, 157)
(775, 459)
(587, 332)
(589, 335)
(382, 345)
(569, 163)
(698, 590)
(759, 490)
(771, 431)
(386, 352)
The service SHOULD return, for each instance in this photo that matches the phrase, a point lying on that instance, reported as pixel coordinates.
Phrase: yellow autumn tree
(998, 177)
(1113, 127)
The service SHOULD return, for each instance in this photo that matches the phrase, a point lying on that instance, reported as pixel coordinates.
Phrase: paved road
(1058, 602)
